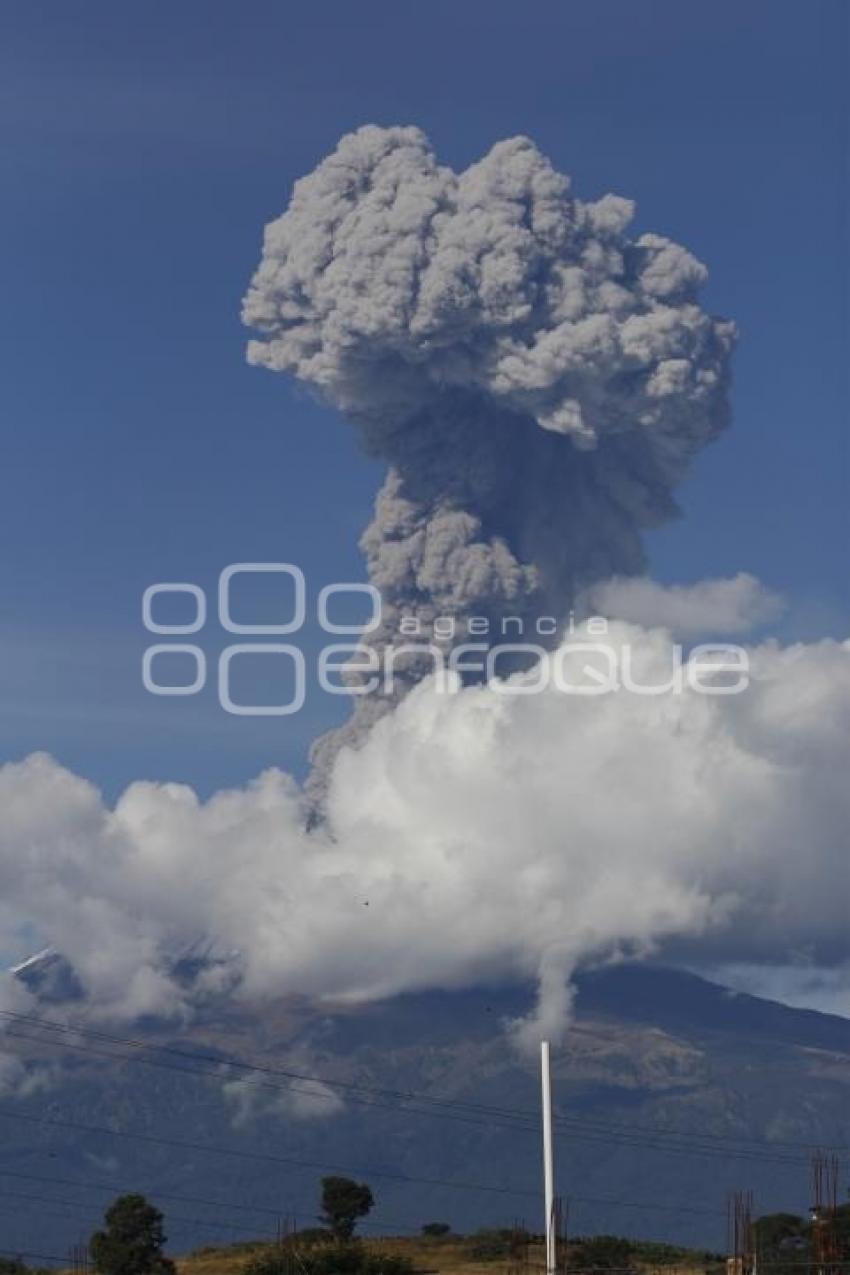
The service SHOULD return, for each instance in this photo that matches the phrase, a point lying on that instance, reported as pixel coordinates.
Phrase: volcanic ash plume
(536, 380)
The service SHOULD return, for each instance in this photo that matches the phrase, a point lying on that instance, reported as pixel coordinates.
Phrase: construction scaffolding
(741, 1234)
(826, 1253)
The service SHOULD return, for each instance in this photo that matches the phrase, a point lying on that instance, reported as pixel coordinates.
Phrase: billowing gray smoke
(537, 381)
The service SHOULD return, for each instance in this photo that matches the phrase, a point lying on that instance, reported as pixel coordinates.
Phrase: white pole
(548, 1164)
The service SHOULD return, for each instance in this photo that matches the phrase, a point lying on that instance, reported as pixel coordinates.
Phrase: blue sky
(145, 146)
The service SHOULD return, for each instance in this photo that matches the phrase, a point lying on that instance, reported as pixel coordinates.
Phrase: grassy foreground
(455, 1255)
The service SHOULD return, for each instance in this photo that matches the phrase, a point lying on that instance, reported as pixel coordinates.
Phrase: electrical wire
(583, 1127)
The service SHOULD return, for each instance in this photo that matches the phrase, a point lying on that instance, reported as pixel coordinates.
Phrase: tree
(132, 1240)
(336, 1259)
(434, 1230)
(778, 1232)
(12, 1266)
(602, 1252)
(343, 1202)
(842, 1231)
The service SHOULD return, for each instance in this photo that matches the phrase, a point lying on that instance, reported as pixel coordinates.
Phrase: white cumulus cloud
(719, 607)
(476, 834)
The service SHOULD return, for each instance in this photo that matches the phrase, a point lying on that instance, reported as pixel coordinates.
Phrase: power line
(39, 1257)
(219, 1060)
(527, 1120)
(691, 1147)
(119, 1189)
(722, 1139)
(231, 1226)
(172, 1217)
(238, 1153)
(601, 1201)
(353, 1092)
(578, 1126)
(582, 1129)
(258, 1208)
(588, 1132)
(90, 1184)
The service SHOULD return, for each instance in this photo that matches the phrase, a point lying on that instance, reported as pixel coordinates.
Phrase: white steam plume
(538, 382)
(473, 835)
(720, 607)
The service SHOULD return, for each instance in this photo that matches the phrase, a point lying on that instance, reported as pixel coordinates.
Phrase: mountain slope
(671, 1091)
